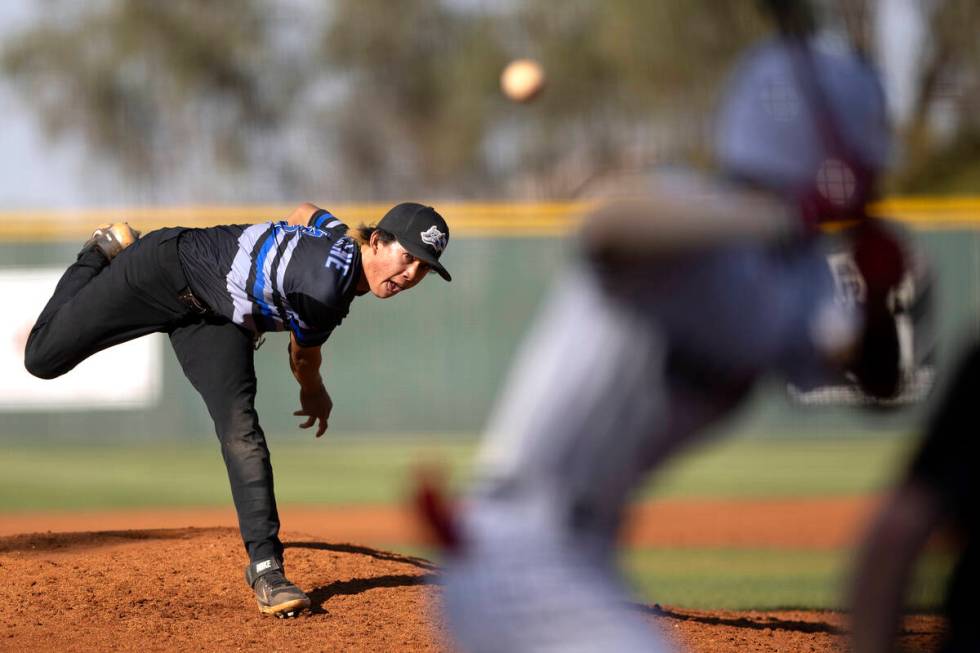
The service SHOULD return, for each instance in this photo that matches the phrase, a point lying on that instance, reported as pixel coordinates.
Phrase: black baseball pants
(97, 305)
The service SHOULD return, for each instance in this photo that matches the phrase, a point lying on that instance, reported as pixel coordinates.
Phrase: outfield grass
(372, 470)
(105, 476)
(783, 467)
(762, 579)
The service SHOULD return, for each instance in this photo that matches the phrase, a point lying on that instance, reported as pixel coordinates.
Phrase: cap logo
(435, 238)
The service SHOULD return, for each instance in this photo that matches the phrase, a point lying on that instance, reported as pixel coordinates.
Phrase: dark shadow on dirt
(761, 621)
(46, 542)
(421, 563)
(753, 623)
(764, 622)
(320, 595)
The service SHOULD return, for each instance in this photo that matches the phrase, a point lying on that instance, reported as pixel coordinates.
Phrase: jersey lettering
(341, 255)
(304, 229)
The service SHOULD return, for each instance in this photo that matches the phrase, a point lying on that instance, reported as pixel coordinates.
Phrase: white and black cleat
(111, 239)
(274, 593)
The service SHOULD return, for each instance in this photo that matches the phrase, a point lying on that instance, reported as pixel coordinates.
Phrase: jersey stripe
(261, 290)
(278, 272)
(241, 275)
(258, 274)
(322, 218)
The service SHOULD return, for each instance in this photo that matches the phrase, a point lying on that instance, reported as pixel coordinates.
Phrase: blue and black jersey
(274, 276)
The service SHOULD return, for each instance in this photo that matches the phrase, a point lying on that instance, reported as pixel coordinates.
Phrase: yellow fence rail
(466, 219)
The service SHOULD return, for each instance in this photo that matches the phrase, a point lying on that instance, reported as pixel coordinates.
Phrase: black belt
(169, 254)
(188, 299)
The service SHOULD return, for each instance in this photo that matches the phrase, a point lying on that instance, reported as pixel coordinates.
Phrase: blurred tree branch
(393, 99)
(422, 85)
(129, 76)
(950, 73)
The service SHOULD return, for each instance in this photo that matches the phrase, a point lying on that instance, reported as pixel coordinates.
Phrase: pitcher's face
(390, 269)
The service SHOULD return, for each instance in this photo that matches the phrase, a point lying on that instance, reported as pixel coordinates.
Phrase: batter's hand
(316, 406)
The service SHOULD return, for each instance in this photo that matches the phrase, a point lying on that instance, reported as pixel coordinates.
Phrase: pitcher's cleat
(112, 238)
(273, 591)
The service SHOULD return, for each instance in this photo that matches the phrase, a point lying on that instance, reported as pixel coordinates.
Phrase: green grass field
(377, 471)
(763, 579)
(372, 470)
(327, 471)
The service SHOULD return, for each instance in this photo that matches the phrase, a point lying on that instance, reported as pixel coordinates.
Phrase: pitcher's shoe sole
(113, 238)
(287, 609)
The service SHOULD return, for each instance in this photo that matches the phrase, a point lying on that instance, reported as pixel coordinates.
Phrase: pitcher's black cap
(421, 231)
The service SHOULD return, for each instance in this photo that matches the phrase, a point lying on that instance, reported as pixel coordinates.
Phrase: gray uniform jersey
(622, 367)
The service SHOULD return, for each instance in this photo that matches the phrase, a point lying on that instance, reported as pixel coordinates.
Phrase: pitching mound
(183, 589)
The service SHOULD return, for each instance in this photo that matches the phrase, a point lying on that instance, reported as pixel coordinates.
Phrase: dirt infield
(125, 585)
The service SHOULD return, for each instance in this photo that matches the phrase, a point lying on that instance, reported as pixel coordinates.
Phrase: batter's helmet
(796, 116)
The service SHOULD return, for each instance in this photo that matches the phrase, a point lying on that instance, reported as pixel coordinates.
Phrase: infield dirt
(157, 589)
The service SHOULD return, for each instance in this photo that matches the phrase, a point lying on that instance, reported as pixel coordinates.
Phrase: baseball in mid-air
(522, 80)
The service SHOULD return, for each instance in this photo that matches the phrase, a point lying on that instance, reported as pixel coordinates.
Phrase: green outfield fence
(431, 361)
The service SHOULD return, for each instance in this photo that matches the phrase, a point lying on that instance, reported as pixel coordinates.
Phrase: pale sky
(33, 171)
(899, 36)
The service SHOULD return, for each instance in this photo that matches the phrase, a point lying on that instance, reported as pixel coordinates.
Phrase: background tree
(136, 78)
(632, 82)
(420, 93)
(941, 139)
(370, 99)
